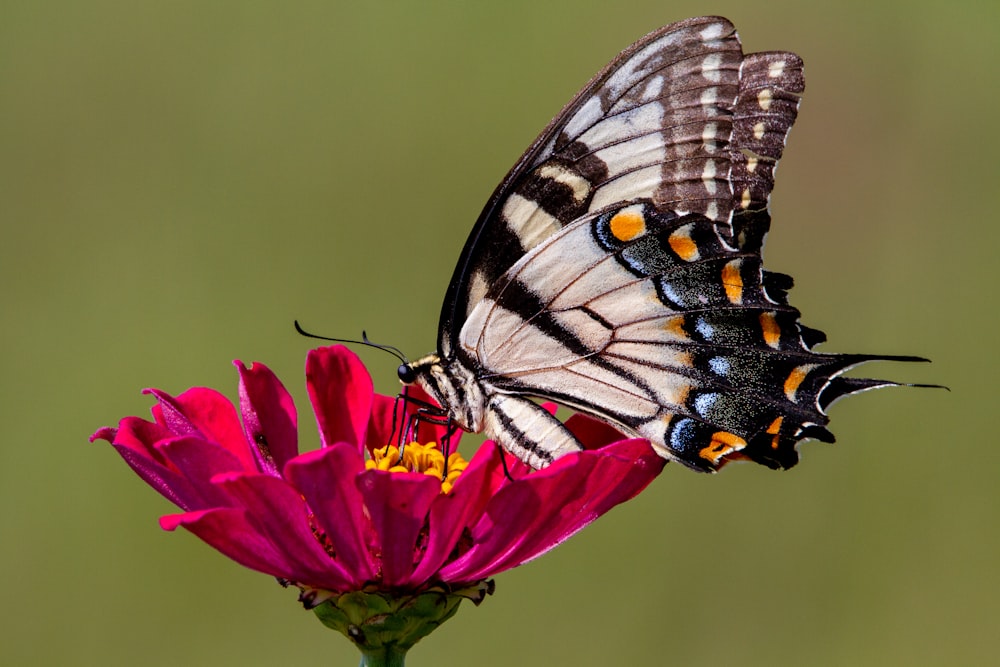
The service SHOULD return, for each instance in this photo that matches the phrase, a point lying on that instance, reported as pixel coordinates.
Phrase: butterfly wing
(617, 269)
(652, 321)
(654, 123)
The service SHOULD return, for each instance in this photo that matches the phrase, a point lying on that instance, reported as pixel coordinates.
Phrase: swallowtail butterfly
(617, 270)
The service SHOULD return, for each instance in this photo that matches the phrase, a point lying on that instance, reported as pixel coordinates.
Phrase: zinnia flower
(383, 549)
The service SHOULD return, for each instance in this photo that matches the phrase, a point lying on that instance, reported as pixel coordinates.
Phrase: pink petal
(206, 413)
(167, 482)
(170, 414)
(136, 434)
(592, 433)
(269, 418)
(279, 514)
(397, 504)
(620, 471)
(535, 513)
(515, 467)
(199, 461)
(105, 433)
(381, 429)
(232, 532)
(515, 510)
(340, 389)
(177, 468)
(326, 478)
(453, 512)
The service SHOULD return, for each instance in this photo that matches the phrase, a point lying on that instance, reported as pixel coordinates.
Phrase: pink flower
(329, 522)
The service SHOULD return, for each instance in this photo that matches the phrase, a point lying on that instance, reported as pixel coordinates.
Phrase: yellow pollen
(427, 459)
(627, 225)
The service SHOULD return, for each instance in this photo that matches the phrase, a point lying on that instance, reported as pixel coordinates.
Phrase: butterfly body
(617, 270)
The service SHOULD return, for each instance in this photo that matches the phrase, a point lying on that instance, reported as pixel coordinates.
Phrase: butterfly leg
(528, 431)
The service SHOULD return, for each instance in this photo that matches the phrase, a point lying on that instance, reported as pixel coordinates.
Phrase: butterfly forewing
(617, 269)
(655, 123)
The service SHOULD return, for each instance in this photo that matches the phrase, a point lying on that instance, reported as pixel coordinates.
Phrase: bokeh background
(179, 180)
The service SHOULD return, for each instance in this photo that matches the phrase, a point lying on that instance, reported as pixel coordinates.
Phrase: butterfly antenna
(364, 341)
(388, 348)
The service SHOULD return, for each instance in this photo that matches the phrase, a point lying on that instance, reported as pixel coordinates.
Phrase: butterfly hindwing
(617, 269)
(649, 320)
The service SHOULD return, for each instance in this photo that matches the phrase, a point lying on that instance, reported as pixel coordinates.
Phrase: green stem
(384, 656)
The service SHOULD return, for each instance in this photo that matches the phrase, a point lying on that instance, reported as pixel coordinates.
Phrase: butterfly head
(407, 373)
(452, 385)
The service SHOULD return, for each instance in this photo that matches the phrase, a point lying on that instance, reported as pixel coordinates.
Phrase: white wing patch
(645, 119)
(588, 115)
(629, 185)
(577, 183)
(630, 155)
(629, 301)
(529, 223)
(506, 344)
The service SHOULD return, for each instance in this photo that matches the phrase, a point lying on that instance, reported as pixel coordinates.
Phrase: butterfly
(617, 270)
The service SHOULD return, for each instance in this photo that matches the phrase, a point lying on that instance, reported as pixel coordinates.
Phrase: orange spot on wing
(627, 225)
(723, 443)
(733, 281)
(795, 379)
(675, 326)
(775, 425)
(774, 429)
(681, 243)
(769, 327)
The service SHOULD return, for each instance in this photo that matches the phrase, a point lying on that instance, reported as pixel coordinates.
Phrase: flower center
(427, 459)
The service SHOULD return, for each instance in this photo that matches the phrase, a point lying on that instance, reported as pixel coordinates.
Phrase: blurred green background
(179, 180)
